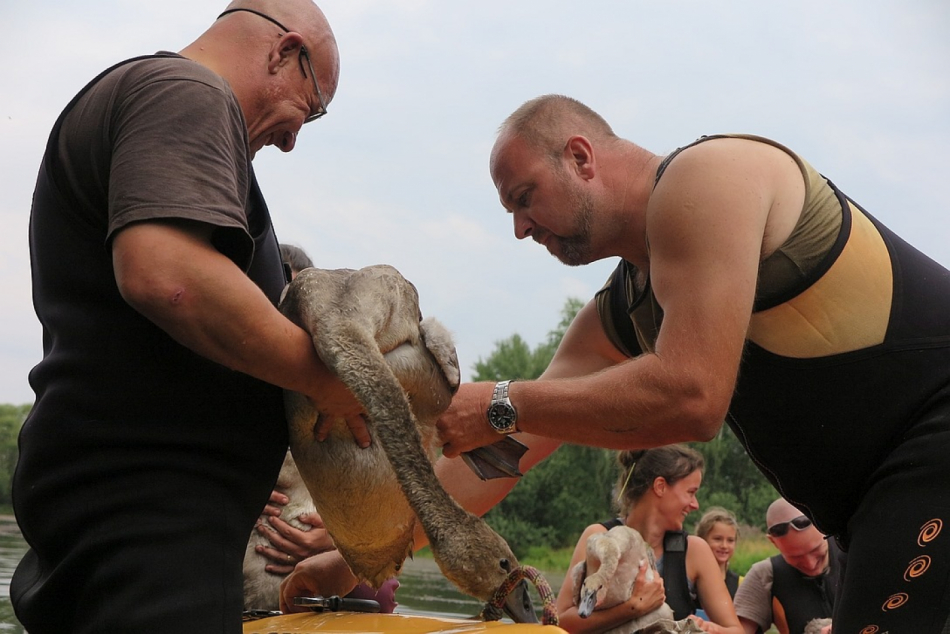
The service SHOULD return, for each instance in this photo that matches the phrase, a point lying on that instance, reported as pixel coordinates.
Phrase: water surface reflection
(424, 590)
(12, 549)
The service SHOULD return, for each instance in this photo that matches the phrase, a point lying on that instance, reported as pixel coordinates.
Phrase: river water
(423, 589)
(12, 548)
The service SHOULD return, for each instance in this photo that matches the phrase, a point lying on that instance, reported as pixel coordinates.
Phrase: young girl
(657, 490)
(721, 531)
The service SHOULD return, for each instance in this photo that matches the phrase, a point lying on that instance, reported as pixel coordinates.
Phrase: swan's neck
(436, 509)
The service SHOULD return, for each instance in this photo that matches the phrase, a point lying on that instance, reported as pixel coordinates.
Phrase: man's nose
(523, 225)
(287, 141)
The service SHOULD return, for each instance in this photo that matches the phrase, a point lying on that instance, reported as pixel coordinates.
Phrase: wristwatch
(502, 415)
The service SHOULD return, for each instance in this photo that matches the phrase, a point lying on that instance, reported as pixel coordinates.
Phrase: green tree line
(573, 488)
(11, 419)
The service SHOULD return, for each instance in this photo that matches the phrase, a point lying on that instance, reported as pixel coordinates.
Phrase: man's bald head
(280, 60)
(802, 546)
(781, 510)
(306, 18)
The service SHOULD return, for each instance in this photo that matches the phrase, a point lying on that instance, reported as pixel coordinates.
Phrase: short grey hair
(546, 122)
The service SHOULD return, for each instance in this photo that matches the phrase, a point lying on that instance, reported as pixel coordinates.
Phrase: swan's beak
(518, 605)
(588, 601)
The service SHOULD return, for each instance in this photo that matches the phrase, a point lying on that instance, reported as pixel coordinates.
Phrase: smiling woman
(655, 492)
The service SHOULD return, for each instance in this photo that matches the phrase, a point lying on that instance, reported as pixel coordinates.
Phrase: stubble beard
(576, 250)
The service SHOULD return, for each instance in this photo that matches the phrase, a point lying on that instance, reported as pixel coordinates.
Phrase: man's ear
(284, 51)
(580, 153)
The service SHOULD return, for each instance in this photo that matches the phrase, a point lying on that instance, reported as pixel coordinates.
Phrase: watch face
(501, 416)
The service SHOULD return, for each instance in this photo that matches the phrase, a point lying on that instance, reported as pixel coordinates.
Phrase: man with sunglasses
(794, 587)
(158, 428)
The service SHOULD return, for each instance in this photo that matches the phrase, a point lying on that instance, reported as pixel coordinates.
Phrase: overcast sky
(397, 172)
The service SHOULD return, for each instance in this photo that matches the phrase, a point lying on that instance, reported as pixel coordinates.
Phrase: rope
(492, 610)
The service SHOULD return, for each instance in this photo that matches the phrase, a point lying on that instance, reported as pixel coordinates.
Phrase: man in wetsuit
(158, 427)
(750, 290)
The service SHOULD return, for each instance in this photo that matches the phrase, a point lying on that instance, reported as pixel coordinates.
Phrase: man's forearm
(177, 280)
(635, 404)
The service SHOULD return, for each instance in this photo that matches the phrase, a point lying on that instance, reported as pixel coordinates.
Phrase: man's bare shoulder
(745, 178)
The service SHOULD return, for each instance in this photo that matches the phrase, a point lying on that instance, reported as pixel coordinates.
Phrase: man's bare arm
(708, 223)
(584, 349)
(174, 276)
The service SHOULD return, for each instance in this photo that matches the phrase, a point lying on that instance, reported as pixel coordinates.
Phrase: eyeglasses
(304, 55)
(800, 523)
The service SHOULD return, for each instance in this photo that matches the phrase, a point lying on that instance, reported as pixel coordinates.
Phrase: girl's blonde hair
(713, 515)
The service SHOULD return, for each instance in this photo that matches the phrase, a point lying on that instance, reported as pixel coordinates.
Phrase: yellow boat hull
(352, 622)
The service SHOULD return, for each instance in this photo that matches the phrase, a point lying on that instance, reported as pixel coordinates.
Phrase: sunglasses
(800, 523)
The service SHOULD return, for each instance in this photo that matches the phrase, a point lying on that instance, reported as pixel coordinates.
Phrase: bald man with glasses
(158, 428)
(794, 587)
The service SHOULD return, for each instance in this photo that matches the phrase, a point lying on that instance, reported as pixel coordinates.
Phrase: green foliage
(750, 549)
(554, 502)
(514, 359)
(571, 307)
(548, 559)
(11, 419)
